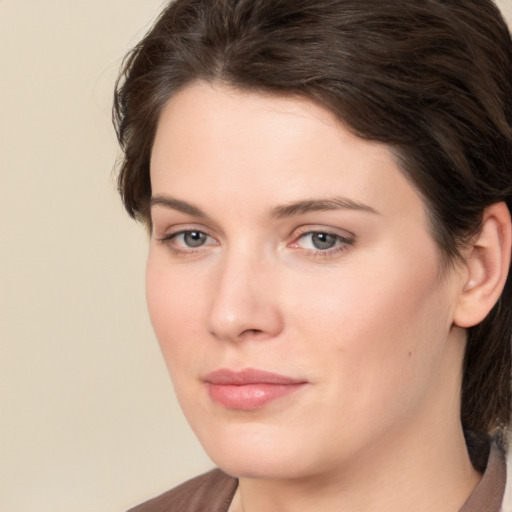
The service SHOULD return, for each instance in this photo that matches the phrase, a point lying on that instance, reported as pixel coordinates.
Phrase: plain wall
(88, 421)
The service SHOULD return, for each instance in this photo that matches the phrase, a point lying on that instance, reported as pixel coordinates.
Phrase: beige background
(88, 422)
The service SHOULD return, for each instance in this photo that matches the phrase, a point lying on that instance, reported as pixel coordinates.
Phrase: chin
(252, 451)
(260, 465)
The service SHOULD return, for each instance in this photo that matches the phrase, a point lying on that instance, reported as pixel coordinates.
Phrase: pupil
(194, 238)
(323, 240)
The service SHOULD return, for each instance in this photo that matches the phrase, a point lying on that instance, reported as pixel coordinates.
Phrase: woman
(328, 188)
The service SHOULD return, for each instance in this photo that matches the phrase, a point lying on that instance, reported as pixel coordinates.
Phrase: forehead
(218, 142)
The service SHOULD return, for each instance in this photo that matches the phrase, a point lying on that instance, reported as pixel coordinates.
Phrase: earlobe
(487, 266)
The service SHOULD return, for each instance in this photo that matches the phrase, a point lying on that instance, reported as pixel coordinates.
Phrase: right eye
(190, 239)
(187, 241)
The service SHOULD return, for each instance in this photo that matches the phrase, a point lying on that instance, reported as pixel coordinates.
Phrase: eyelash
(168, 240)
(342, 243)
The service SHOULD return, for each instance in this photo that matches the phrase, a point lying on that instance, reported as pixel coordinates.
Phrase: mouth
(249, 389)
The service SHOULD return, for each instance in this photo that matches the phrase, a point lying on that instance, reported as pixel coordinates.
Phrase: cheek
(379, 326)
(173, 301)
(174, 308)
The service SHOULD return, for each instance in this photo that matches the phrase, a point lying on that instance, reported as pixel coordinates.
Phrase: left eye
(319, 241)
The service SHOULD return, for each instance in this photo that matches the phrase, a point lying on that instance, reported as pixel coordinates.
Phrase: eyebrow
(278, 212)
(316, 205)
(177, 204)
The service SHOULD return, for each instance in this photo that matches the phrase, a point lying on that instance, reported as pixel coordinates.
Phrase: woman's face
(294, 287)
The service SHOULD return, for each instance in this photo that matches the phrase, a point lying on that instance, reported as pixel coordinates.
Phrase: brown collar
(488, 494)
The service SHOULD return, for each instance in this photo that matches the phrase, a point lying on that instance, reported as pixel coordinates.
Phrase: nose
(244, 302)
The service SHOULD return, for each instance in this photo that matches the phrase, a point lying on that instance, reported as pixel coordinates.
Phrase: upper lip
(247, 376)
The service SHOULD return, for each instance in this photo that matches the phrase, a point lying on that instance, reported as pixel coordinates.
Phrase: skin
(368, 323)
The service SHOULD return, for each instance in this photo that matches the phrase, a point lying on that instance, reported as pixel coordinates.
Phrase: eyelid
(168, 230)
(171, 234)
(345, 239)
(316, 228)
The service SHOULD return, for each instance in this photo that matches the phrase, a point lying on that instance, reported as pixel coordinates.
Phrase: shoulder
(210, 492)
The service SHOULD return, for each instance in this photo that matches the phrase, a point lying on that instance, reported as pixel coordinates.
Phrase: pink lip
(249, 389)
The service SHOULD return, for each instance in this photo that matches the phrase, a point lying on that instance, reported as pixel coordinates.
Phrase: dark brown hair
(430, 78)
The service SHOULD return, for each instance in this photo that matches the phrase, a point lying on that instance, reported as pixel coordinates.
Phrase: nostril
(240, 311)
(252, 332)
(244, 334)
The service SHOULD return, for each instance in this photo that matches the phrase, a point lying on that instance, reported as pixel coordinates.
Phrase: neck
(431, 473)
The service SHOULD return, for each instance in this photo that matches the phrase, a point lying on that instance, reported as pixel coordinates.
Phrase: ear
(487, 265)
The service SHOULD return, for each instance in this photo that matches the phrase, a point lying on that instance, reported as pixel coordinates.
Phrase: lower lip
(250, 396)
